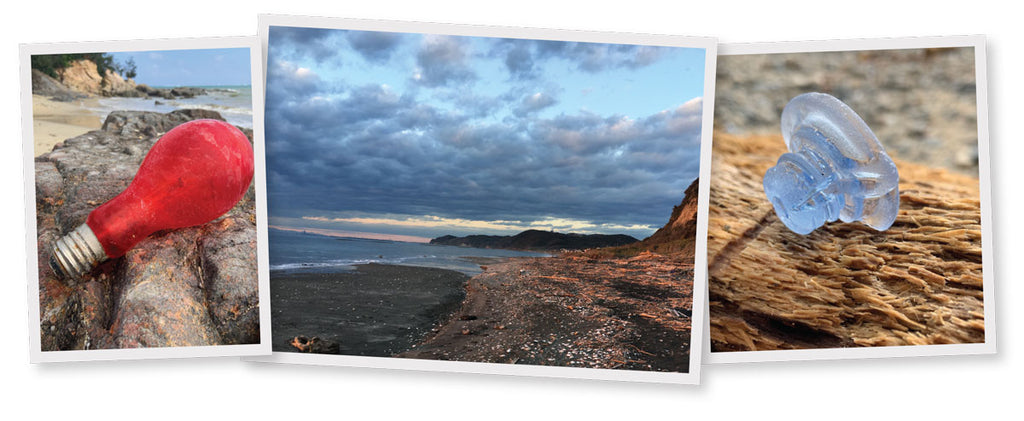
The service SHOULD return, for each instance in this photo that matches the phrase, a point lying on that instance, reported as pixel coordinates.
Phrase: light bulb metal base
(75, 254)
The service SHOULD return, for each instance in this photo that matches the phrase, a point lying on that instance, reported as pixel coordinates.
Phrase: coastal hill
(537, 240)
(82, 79)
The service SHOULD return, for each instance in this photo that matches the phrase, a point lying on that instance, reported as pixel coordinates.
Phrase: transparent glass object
(835, 168)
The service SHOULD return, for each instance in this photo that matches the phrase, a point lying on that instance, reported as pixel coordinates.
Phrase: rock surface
(188, 287)
(43, 84)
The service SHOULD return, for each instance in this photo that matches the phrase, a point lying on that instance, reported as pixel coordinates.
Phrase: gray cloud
(335, 147)
(442, 61)
(374, 46)
(533, 103)
(319, 44)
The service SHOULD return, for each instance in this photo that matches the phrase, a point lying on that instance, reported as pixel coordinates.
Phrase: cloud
(378, 152)
(319, 44)
(534, 103)
(523, 58)
(458, 147)
(374, 46)
(441, 61)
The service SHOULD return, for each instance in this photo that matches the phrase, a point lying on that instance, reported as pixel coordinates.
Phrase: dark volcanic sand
(378, 310)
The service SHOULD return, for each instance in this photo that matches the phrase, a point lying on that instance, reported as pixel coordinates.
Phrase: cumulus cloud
(521, 56)
(533, 103)
(320, 44)
(442, 61)
(374, 46)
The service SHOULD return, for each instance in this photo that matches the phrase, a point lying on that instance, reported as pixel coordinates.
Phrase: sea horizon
(298, 251)
(233, 102)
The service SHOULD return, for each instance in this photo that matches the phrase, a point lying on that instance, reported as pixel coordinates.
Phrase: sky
(202, 67)
(430, 135)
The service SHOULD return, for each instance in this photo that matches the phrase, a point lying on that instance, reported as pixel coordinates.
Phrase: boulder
(43, 84)
(186, 287)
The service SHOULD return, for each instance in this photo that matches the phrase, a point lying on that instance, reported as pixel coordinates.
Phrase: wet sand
(376, 310)
(573, 311)
(55, 121)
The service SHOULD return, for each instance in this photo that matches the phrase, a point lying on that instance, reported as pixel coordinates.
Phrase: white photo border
(977, 42)
(698, 322)
(36, 355)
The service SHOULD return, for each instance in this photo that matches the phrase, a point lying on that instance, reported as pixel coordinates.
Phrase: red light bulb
(195, 173)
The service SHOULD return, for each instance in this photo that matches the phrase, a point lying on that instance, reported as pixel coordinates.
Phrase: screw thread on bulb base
(77, 253)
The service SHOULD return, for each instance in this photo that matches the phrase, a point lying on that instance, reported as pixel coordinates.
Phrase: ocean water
(234, 103)
(297, 252)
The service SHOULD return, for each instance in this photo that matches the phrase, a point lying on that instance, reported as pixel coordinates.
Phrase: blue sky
(203, 67)
(428, 135)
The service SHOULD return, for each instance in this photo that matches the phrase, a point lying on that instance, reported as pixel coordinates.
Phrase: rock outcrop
(81, 76)
(81, 79)
(186, 287)
(168, 93)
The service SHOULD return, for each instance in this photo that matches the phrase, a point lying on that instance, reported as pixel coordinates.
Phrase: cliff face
(679, 234)
(82, 76)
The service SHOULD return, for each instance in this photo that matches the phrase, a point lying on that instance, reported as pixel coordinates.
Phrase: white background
(929, 387)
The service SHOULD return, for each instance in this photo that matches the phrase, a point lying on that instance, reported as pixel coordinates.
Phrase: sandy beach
(55, 121)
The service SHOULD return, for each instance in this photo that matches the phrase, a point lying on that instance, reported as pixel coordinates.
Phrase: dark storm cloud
(369, 149)
(320, 44)
(442, 61)
(436, 146)
(374, 46)
(521, 56)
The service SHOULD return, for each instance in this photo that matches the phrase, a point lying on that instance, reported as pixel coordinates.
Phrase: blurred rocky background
(921, 103)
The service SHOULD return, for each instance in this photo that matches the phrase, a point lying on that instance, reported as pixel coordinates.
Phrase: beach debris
(314, 345)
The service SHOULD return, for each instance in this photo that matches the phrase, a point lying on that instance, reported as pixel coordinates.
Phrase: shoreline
(54, 121)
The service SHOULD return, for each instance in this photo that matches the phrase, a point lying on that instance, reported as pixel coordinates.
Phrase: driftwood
(843, 285)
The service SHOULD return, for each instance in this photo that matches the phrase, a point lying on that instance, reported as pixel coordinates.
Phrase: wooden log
(845, 284)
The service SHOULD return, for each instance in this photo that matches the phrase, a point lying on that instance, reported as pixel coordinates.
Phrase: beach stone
(185, 287)
(148, 124)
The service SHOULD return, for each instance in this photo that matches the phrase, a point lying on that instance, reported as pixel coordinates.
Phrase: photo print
(441, 196)
(849, 201)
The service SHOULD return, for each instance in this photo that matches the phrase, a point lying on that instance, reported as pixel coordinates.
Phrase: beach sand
(55, 121)
(376, 310)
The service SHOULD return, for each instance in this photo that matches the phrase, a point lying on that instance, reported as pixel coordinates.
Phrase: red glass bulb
(195, 173)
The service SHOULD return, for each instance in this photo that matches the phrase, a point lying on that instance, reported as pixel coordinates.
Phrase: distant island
(536, 240)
